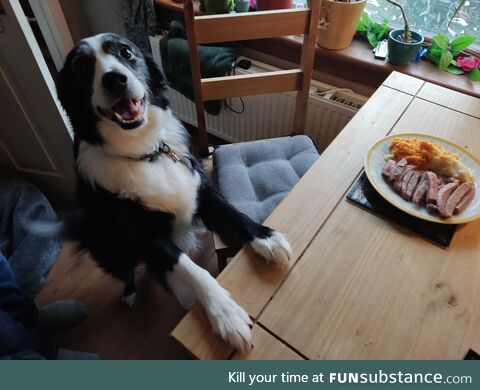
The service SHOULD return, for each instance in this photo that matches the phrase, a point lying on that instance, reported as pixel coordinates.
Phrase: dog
(142, 194)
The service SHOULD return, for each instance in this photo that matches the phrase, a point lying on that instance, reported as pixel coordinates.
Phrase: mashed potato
(432, 157)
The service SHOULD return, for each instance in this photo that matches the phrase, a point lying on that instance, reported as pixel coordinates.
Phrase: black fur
(118, 232)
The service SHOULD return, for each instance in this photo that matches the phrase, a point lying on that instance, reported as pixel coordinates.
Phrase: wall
(90, 17)
(76, 18)
(104, 15)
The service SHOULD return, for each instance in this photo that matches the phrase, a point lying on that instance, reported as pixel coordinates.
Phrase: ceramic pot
(338, 23)
(400, 53)
(242, 5)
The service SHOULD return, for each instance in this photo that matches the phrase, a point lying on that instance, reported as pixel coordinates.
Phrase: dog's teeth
(118, 116)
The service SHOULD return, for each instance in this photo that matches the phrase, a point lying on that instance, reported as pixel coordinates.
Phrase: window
(430, 17)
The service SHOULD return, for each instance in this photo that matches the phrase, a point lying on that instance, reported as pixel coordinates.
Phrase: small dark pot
(400, 53)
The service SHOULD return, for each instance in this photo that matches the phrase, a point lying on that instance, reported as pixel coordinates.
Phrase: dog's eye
(126, 53)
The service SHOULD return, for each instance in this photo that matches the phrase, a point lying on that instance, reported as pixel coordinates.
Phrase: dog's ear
(157, 79)
(156, 83)
(63, 85)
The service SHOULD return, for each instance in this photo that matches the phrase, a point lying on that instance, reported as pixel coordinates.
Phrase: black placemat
(364, 195)
(472, 355)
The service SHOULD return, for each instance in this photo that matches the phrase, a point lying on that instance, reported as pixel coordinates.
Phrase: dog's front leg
(238, 229)
(189, 282)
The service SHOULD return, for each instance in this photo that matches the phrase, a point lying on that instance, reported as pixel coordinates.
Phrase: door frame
(53, 25)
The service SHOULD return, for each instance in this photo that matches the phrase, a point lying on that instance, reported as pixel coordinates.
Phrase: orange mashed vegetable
(428, 156)
(419, 152)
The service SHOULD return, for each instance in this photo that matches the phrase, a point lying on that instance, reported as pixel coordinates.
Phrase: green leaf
(366, 20)
(361, 27)
(462, 42)
(380, 30)
(434, 54)
(454, 70)
(372, 38)
(474, 75)
(441, 41)
(445, 60)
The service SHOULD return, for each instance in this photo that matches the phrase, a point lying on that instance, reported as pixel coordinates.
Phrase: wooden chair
(248, 26)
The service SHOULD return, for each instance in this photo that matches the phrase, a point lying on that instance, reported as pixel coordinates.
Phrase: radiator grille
(269, 116)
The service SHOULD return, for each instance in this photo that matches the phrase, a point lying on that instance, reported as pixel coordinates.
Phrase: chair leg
(223, 254)
(222, 262)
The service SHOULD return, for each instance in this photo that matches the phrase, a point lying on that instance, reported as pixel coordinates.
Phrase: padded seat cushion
(255, 176)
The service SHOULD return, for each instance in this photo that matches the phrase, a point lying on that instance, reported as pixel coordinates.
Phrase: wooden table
(359, 286)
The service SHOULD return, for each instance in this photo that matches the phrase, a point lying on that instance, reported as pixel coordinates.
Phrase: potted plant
(242, 5)
(264, 5)
(404, 43)
(217, 6)
(338, 22)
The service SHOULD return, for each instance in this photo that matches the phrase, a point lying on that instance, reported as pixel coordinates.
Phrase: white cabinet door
(34, 131)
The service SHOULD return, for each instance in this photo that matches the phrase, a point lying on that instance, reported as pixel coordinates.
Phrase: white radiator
(268, 116)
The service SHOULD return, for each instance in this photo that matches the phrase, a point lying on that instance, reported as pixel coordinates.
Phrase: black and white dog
(141, 191)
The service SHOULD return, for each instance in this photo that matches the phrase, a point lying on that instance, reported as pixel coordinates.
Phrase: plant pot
(338, 23)
(242, 5)
(216, 6)
(400, 53)
(264, 5)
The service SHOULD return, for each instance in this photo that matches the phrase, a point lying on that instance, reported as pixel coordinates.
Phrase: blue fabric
(19, 338)
(30, 256)
(13, 301)
(255, 176)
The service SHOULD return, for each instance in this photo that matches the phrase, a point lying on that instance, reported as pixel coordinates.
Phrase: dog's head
(106, 78)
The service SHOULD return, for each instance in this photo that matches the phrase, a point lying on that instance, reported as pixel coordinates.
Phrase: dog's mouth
(127, 112)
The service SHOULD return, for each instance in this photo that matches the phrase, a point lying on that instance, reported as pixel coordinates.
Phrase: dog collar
(162, 148)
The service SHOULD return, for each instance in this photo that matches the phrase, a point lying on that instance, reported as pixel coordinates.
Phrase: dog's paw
(274, 249)
(230, 321)
(129, 300)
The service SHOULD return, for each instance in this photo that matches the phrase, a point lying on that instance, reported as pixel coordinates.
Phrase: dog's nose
(115, 82)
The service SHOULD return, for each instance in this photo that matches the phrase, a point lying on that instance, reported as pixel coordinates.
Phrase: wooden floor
(111, 329)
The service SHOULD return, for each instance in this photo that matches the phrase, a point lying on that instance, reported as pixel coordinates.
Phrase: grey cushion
(255, 176)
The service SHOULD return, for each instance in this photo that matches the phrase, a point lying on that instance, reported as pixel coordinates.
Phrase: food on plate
(445, 195)
(432, 157)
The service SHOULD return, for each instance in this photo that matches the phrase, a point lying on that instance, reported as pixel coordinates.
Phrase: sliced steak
(432, 192)
(443, 195)
(462, 205)
(388, 169)
(398, 168)
(422, 188)
(397, 183)
(405, 181)
(456, 197)
(412, 184)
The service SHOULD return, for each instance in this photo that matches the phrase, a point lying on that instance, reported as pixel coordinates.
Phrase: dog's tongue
(128, 109)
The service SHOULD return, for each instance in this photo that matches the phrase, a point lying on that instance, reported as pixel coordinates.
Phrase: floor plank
(111, 329)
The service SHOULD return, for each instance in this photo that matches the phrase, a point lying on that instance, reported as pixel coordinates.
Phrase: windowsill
(355, 63)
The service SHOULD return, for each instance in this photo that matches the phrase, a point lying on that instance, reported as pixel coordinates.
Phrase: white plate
(375, 161)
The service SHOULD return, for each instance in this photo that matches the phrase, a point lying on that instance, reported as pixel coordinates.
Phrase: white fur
(163, 185)
(227, 318)
(181, 290)
(274, 249)
(106, 63)
(129, 300)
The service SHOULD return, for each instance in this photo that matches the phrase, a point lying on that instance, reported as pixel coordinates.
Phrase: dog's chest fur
(163, 184)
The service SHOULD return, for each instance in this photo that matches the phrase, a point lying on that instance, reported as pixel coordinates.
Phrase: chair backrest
(248, 26)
